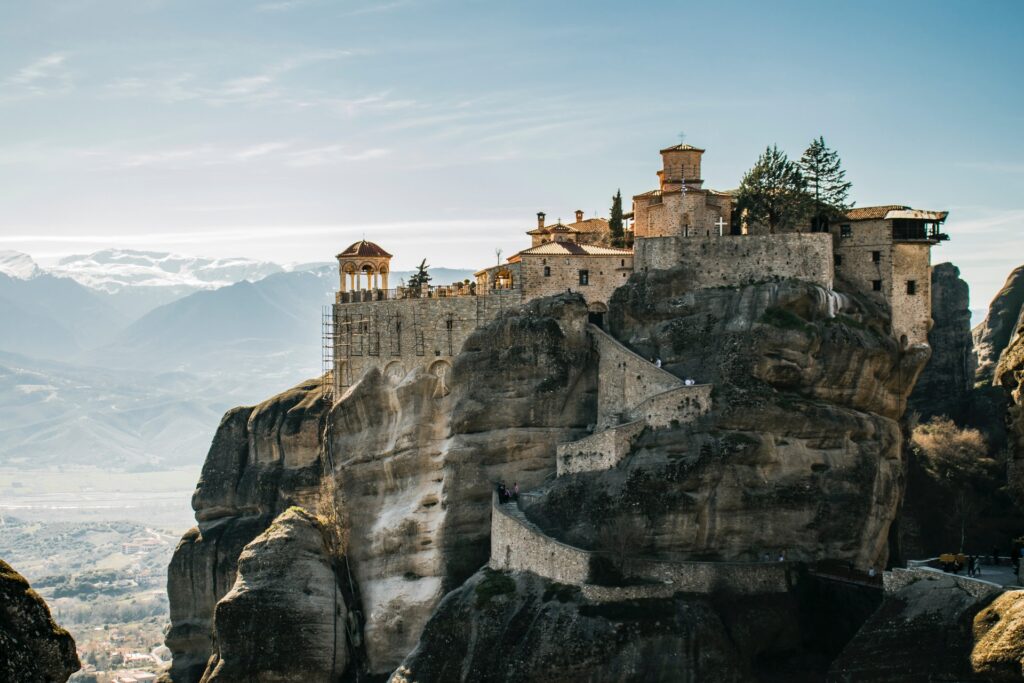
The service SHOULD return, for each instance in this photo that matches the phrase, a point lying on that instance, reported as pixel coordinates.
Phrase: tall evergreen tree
(616, 232)
(420, 277)
(826, 183)
(774, 193)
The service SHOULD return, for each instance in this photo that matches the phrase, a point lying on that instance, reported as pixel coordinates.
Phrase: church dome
(364, 248)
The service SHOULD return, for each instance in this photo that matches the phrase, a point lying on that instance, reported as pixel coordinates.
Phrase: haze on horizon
(285, 129)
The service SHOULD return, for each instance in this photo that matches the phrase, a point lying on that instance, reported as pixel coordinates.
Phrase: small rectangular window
(876, 257)
(838, 258)
(911, 286)
(584, 277)
(547, 271)
(845, 230)
(876, 285)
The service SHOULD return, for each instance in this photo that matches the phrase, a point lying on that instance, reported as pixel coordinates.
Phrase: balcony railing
(425, 292)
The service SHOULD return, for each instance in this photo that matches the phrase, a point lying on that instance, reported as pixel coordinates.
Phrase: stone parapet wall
(674, 407)
(626, 380)
(898, 578)
(601, 451)
(737, 260)
(519, 545)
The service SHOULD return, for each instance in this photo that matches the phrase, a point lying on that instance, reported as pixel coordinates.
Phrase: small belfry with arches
(880, 252)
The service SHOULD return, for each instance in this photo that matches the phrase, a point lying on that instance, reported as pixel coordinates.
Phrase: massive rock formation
(1009, 374)
(801, 453)
(410, 470)
(944, 387)
(993, 335)
(33, 649)
(284, 619)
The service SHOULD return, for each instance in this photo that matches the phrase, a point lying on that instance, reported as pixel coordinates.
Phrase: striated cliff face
(33, 649)
(944, 387)
(410, 468)
(1009, 374)
(993, 335)
(800, 454)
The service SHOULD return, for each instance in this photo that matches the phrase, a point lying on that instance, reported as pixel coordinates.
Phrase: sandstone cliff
(944, 387)
(411, 470)
(1009, 374)
(33, 649)
(993, 335)
(801, 453)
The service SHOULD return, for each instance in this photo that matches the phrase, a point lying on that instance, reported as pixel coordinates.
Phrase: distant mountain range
(127, 359)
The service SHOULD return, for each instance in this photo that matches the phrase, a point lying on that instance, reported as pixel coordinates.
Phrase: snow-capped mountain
(18, 265)
(111, 270)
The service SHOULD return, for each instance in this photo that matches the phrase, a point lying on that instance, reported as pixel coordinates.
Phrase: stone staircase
(633, 394)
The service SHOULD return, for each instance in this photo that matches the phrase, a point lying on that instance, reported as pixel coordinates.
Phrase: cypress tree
(420, 277)
(616, 232)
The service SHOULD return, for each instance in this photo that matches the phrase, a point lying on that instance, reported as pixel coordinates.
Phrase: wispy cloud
(328, 155)
(991, 220)
(993, 166)
(44, 76)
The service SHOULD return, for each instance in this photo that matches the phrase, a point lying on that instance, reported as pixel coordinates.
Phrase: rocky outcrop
(944, 387)
(1009, 374)
(999, 638)
(284, 620)
(924, 631)
(993, 335)
(800, 455)
(33, 649)
(410, 469)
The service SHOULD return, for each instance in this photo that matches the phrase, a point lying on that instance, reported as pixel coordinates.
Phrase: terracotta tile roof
(573, 249)
(363, 248)
(590, 225)
(867, 213)
(682, 148)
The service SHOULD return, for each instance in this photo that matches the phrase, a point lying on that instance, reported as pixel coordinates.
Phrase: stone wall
(627, 380)
(604, 275)
(741, 259)
(519, 545)
(674, 407)
(898, 578)
(399, 335)
(601, 451)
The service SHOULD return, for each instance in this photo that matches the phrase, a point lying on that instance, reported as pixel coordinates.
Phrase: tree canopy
(774, 192)
(420, 277)
(826, 183)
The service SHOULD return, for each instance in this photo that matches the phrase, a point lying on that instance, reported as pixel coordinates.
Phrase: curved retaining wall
(601, 451)
(898, 578)
(519, 545)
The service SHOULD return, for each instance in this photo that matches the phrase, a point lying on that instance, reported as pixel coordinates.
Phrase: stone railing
(517, 544)
(425, 292)
(601, 451)
(898, 578)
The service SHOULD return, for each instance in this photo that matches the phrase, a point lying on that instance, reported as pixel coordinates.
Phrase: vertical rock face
(993, 335)
(411, 464)
(33, 649)
(945, 385)
(1010, 375)
(284, 618)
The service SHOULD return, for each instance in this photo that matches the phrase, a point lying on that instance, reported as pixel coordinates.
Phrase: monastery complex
(881, 253)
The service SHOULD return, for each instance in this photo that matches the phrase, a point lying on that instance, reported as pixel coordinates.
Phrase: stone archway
(394, 372)
(596, 312)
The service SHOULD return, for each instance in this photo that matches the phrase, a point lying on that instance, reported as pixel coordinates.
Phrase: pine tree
(774, 192)
(826, 183)
(420, 277)
(616, 233)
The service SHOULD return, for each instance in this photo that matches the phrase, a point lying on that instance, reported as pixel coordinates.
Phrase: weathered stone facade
(671, 211)
(741, 259)
(398, 335)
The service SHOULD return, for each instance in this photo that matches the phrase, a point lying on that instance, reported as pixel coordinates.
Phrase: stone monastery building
(882, 252)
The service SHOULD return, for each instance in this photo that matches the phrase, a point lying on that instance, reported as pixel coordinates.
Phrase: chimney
(540, 219)
(579, 215)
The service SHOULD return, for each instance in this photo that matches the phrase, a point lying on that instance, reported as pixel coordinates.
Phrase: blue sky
(285, 129)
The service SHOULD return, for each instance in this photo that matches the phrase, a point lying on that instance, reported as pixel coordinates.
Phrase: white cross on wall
(721, 226)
